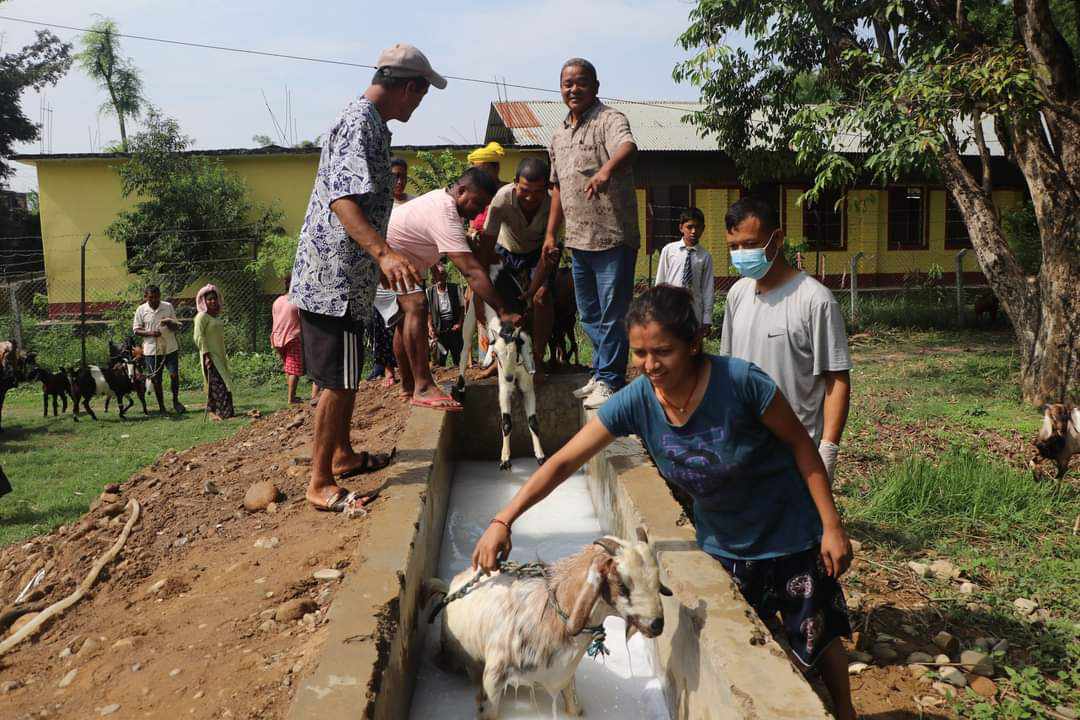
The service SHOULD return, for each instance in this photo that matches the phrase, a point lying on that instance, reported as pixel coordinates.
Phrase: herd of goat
(122, 377)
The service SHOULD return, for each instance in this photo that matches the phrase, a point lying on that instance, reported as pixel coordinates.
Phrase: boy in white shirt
(686, 264)
(155, 322)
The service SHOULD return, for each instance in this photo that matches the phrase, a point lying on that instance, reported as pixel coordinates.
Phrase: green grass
(57, 466)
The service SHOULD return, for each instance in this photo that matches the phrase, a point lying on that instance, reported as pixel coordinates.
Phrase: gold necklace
(689, 398)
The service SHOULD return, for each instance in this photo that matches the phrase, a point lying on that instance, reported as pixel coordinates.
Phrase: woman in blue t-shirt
(718, 428)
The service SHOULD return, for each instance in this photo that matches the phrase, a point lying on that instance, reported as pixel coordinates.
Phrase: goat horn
(610, 544)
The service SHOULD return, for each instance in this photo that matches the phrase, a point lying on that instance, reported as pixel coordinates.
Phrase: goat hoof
(504, 465)
(541, 460)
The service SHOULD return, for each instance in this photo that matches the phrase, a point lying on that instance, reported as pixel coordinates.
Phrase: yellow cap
(492, 152)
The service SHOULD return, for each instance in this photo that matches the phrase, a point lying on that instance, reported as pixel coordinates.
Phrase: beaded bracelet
(501, 522)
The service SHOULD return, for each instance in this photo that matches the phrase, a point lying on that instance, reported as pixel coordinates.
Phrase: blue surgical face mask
(752, 262)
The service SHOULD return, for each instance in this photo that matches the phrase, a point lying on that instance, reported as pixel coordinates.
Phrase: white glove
(828, 451)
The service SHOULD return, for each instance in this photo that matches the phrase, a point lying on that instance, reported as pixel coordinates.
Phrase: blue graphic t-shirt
(750, 501)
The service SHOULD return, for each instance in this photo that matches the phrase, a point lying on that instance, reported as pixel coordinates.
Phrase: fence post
(854, 284)
(960, 286)
(254, 321)
(82, 299)
(16, 316)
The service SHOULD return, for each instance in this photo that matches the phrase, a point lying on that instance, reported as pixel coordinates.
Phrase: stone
(919, 671)
(174, 672)
(1025, 606)
(977, 662)
(947, 642)
(156, 587)
(267, 543)
(909, 630)
(109, 709)
(860, 656)
(259, 495)
(984, 686)
(267, 613)
(856, 667)
(268, 626)
(853, 599)
(198, 695)
(68, 679)
(90, 645)
(952, 676)
(272, 508)
(325, 595)
(295, 609)
(10, 686)
(983, 644)
(919, 657)
(1001, 646)
(327, 574)
(136, 667)
(967, 588)
(124, 644)
(1066, 712)
(883, 652)
(310, 619)
(209, 487)
(109, 498)
(945, 689)
(944, 570)
(65, 653)
(856, 546)
(886, 638)
(920, 569)
(942, 659)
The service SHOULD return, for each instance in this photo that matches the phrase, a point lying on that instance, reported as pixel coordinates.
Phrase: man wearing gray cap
(341, 254)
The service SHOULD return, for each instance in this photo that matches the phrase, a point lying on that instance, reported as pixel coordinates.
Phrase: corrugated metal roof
(657, 125)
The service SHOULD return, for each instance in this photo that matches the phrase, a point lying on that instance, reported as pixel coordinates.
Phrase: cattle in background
(55, 385)
(15, 365)
(1059, 436)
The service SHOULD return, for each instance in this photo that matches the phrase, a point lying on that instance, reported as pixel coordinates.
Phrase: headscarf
(200, 298)
(490, 153)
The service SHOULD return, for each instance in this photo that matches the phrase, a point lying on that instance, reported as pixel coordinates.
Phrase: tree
(192, 217)
(266, 141)
(35, 66)
(117, 75)
(435, 170)
(917, 83)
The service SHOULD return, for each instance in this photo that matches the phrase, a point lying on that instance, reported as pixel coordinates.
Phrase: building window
(825, 222)
(666, 203)
(907, 218)
(956, 232)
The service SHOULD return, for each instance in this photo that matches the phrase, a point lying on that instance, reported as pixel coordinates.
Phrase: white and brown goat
(1059, 436)
(513, 352)
(509, 631)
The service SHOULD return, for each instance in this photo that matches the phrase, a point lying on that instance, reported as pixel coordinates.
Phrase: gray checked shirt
(331, 273)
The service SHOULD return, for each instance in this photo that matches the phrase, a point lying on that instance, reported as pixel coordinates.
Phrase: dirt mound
(183, 621)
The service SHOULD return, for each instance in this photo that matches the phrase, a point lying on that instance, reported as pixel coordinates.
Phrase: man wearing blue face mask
(788, 324)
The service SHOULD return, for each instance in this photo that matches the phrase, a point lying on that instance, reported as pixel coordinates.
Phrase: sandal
(369, 463)
(350, 504)
(444, 403)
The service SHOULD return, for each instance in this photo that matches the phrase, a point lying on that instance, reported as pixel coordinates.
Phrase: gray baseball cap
(405, 61)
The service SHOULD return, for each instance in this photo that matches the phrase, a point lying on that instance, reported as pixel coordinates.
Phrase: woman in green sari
(210, 339)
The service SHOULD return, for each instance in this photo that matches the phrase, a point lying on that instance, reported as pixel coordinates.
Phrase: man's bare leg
(404, 367)
(415, 341)
(333, 406)
(834, 672)
(290, 383)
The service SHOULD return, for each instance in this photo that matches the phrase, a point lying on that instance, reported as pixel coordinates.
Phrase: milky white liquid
(623, 685)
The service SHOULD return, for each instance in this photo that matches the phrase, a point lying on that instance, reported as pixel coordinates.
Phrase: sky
(218, 97)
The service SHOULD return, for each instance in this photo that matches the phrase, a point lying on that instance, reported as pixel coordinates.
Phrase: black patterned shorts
(811, 604)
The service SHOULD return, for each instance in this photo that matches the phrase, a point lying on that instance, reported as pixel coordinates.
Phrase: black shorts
(333, 349)
(811, 604)
(170, 361)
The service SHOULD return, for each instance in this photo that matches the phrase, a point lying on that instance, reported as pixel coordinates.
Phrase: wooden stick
(61, 605)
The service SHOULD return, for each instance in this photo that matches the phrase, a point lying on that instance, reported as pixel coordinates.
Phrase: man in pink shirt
(422, 230)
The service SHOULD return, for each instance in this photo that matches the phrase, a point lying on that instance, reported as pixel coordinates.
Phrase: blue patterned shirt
(331, 273)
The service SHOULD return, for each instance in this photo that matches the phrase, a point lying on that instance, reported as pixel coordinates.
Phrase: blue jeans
(603, 286)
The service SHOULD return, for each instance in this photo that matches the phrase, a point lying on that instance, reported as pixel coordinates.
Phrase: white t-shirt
(146, 318)
(795, 333)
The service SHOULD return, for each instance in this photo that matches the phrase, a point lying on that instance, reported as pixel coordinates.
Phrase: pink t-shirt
(424, 228)
(286, 322)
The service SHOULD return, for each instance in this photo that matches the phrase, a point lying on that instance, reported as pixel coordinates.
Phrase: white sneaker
(586, 390)
(599, 395)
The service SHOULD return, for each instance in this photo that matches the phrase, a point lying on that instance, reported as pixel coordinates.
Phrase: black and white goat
(15, 367)
(510, 630)
(512, 349)
(113, 379)
(55, 386)
(1059, 436)
(130, 356)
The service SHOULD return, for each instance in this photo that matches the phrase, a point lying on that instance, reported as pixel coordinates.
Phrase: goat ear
(642, 536)
(589, 593)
